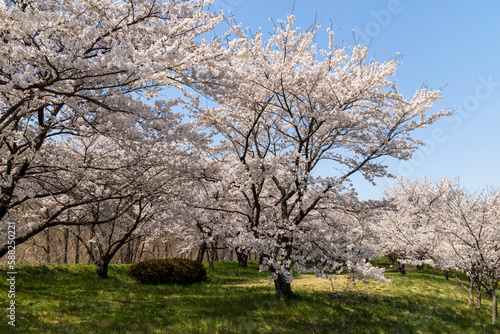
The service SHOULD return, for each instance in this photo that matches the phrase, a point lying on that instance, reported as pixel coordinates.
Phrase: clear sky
(450, 44)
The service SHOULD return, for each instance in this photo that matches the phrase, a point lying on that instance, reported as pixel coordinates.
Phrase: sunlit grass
(71, 299)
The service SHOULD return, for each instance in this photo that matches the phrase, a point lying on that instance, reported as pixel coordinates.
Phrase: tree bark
(242, 256)
(47, 249)
(211, 260)
(127, 254)
(242, 260)
(102, 269)
(77, 246)
(66, 242)
(478, 292)
(201, 252)
(402, 268)
(283, 288)
(471, 292)
(166, 250)
(494, 309)
(491, 291)
(138, 258)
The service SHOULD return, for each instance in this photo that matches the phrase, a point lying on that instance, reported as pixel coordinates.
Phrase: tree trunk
(494, 309)
(66, 241)
(471, 292)
(102, 269)
(156, 248)
(283, 288)
(212, 255)
(402, 268)
(447, 274)
(478, 292)
(47, 250)
(242, 259)
(216, 250)
(242, 256)
(201, 252)
(127, 254)
(211, 259)
(166, 249)
(137, 257)
(77, 247)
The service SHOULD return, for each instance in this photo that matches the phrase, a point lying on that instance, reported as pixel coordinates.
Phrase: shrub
(168, 271)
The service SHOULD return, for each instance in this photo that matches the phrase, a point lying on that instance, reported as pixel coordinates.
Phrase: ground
(71, 299)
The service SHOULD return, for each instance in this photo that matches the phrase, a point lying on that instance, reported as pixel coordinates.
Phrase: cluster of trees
(79, 144)
(89, 137)
(444, 226)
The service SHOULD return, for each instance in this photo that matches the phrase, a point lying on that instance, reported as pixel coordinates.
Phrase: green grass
(71, 299)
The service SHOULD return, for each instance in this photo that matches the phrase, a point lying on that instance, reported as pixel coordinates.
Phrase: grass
(71, 299)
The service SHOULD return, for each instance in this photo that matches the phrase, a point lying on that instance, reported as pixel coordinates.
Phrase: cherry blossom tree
(72, 178)
(206, 213)
(284, 107)
(469, 226)
(119, 188)
(447, 227)
(405, 228)
(134, 185)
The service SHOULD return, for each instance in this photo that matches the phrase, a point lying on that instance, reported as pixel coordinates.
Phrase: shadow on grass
(59, 299)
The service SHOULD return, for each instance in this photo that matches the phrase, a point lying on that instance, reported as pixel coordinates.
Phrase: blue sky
(450, 44)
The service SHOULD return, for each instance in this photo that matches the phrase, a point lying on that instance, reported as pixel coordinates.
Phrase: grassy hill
(71, 299)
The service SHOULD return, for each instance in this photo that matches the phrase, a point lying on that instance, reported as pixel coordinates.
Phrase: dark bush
(168, 271)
